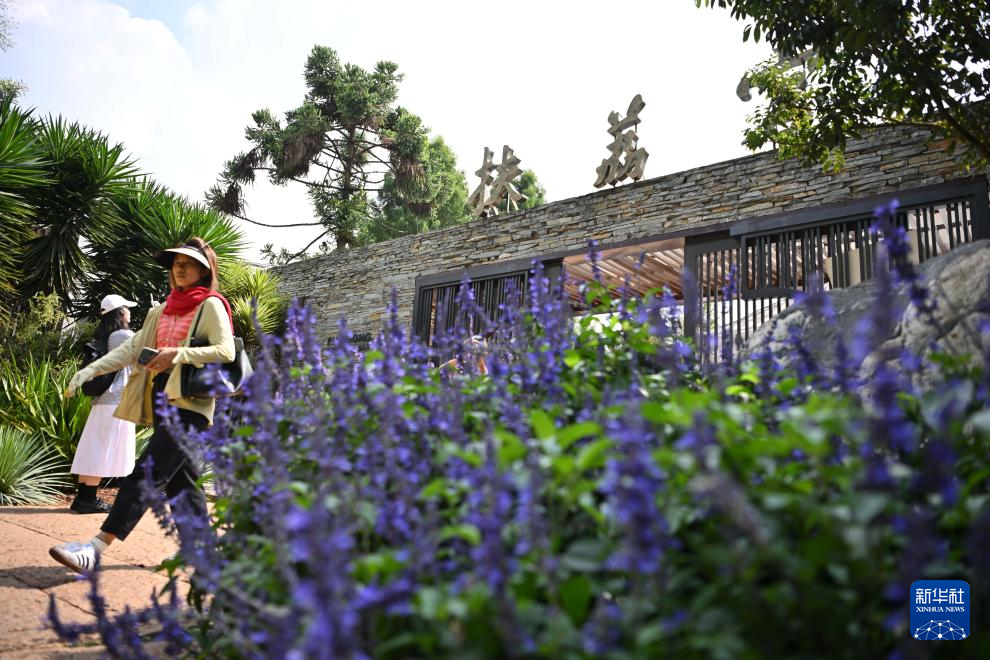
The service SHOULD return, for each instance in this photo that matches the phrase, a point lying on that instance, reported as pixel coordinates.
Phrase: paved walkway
(28, 576)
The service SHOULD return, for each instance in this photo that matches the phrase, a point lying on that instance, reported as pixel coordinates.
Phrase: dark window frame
(447, 284)
(785, 228)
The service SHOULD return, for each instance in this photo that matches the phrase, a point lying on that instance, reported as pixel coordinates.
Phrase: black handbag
(216, 379)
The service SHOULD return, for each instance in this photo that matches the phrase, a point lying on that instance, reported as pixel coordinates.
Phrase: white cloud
(540, 76)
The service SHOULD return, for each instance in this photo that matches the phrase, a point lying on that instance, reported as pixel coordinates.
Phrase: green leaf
(869, 505)
(510, 447)
(381, 565)
(373, 356)
(585, 555)
(542, 424)
(471, 458)
(750, 376)
(469, 533)
(433, 489)
(774, 501)
(786, 385)
(593, 455)
(655, 412)
(741, 391)
(393, 644)
(575, 594)
(430, 602)
(300, 488)
(368, 512)
(981, 421)
(562, 466)
(574, 432)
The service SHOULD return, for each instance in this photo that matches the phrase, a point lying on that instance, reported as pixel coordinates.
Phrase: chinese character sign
(484, 203)
(478, 201)
(626, 158)
(508, 171)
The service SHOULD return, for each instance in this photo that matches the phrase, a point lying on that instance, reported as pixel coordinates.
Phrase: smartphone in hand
(146, 355)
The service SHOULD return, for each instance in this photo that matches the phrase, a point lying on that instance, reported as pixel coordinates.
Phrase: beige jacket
(136, 404)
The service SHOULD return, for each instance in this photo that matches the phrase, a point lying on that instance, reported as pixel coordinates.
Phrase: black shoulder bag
(217, 379)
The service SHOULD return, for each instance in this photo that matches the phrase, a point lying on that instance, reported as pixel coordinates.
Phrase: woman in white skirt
(106, 448)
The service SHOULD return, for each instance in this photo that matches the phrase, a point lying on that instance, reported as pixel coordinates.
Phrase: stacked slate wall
(356, 283)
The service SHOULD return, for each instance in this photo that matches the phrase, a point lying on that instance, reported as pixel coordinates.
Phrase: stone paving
(28, 577)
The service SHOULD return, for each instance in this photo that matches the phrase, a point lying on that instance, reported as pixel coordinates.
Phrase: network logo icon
(940, 610)
(939, 630)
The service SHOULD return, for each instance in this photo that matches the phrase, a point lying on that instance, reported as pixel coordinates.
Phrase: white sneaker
(80, 557)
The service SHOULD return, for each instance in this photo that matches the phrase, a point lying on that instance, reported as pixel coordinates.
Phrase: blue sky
(176, 82)
(169, 12)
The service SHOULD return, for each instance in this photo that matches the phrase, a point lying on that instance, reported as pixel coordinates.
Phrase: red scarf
(179, 303)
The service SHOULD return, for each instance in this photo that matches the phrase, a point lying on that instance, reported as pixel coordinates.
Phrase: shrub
(255, 301)
(30, 473)
(31, 399)
(596, 494)
(37, 333)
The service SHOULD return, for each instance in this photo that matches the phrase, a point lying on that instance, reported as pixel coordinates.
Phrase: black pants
(171, 470)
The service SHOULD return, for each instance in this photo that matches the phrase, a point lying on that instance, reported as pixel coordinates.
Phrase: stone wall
(356, 283)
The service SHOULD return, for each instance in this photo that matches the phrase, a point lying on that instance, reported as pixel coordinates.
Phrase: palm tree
(22, 168)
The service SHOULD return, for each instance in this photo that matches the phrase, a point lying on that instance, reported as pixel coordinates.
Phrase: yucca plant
(22, 167)
(32, 399)
(253, 291)
(30, 472)
(86, 172)
(152, 218)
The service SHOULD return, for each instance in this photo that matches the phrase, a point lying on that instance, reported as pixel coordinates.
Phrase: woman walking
(106, 447)
(193, 310)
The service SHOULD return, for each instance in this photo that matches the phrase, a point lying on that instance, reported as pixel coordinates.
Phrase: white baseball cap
(113, 301)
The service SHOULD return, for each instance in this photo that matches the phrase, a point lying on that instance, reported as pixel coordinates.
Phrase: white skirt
(106, 448)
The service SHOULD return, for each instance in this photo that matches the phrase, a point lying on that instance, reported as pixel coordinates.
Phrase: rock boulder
(959, 283)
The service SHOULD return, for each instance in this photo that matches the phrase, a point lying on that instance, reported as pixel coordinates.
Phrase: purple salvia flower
(490, 503)
(631, 485)
(699, 438)
(594, 256)
(603, 631)
(170, 617)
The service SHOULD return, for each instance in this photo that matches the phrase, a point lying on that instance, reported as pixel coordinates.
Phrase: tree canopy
(9, 88)
(910, 62)
(436, 200)
(6, 24)
(347, 140)
(530, 186)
